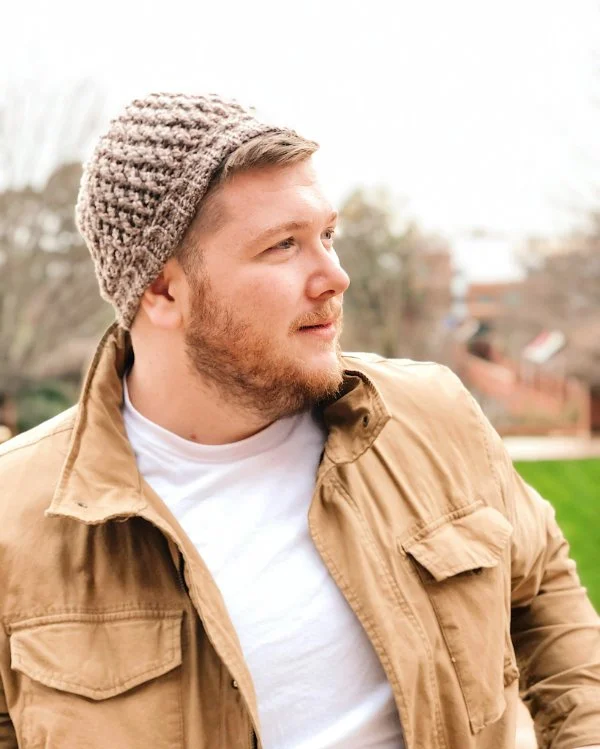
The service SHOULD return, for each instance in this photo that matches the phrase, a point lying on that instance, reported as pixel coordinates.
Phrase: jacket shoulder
(30, 465)
(32, 439)
(428, 398)
(405, 377)
(436, 423)
(30, 468)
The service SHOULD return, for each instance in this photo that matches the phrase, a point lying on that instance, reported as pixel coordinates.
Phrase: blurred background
(459, 141)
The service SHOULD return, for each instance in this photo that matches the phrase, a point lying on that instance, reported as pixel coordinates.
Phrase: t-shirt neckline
(159, 437)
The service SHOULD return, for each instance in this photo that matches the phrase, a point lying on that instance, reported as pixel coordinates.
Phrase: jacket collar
(100, 481)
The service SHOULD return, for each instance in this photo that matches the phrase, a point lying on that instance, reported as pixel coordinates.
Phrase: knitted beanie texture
(144, 182)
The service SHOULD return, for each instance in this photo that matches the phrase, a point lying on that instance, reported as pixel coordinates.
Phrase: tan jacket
(115, 635)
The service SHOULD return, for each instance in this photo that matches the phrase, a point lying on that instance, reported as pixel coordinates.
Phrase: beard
(247, 366)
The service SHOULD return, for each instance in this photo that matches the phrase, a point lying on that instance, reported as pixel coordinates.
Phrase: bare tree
(48, 294)
(48, 291)
(391, 306)
(563, 282)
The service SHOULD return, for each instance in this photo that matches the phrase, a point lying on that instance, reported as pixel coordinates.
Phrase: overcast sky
(481, 114)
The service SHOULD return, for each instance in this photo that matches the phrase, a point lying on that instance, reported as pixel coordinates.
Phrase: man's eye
(283, 245)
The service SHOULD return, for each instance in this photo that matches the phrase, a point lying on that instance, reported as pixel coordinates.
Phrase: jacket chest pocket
(459, 566)
(98, 680)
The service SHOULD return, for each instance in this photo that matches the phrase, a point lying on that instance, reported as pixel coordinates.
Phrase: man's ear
(165, 299)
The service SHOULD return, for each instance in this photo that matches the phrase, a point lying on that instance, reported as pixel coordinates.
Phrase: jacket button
(234, 684)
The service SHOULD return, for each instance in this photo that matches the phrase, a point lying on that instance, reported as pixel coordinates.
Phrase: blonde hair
(270, 149)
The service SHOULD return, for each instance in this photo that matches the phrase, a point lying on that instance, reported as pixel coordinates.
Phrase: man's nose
(329, 279)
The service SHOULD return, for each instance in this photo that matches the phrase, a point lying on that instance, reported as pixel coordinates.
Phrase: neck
(164, 390)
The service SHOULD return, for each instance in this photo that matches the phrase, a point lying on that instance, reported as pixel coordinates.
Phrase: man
(240, 537)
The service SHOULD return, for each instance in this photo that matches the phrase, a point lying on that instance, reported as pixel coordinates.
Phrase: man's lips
(324, 324)
(317, 321)
(326, 330)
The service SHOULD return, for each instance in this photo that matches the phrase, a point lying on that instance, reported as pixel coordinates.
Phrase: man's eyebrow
(290, 226)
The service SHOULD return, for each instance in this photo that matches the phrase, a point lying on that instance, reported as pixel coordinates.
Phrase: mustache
(332, 312)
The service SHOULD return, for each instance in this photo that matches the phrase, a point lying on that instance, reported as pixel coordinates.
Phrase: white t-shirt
(244, 505)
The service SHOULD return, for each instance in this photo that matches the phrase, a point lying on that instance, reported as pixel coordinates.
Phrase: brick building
(529, 379)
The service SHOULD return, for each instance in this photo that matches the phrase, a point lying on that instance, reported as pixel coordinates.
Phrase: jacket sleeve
(8, 738)
(555, 629)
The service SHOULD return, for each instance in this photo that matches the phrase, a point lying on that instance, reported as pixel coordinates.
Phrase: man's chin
(324, 374)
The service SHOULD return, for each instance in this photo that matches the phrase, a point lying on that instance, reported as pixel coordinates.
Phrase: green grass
(573, 487)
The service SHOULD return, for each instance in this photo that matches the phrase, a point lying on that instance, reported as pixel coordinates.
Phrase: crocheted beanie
(142, 186)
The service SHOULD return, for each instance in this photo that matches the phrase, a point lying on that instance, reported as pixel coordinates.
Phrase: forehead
(274, 193)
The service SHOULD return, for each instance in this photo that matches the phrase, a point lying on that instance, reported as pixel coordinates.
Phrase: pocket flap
(466, 543)
(97, 655)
